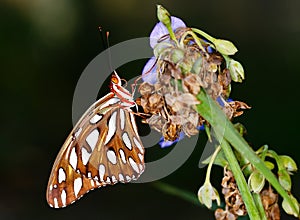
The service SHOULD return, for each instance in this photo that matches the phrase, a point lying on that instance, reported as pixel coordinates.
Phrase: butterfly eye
(114, 80)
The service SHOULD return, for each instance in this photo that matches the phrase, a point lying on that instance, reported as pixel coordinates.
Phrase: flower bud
(207, 193)
(256, 181)
(177, 55)
(236, 71)
(288, 209)
(163, 15)
(225, 47)
(269, 165)
(285, 179)
(161, 49)
(288, 163)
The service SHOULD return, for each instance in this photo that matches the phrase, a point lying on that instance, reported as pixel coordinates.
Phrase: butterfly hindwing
(103, 148)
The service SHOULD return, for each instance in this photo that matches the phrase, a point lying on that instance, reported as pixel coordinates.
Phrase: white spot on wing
(73, 158)
(126, 140)
(112, 127)
(108, 180)
(110, 102)
(141, 167)
(63, 197)
(139, 146)
(122, 154)
(89, 175)
(92, 138)
(50, 187)
(61, 175)
(95, 119)
(122, 118)
(113, 179)
(111, 155)
(121, 178)
(101, 171)
(77, 185)
(85, 156)
(55, 203)
(141, 157)
(128, 178)
(133, 165)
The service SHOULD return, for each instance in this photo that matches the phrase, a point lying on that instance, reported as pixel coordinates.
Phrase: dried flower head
(176, 75)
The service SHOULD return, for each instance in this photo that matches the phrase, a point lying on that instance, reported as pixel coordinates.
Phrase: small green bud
(225, 47)
(161, 48)
(288, 163)
(207, 193)
(236, 71)
(177, 55)
(269, 165)
(287, 206)
(197, 65)
(163, 15)
(256, 181)
(285, 179)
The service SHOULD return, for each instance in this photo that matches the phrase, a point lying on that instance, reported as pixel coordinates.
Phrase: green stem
(211, 162)
(205, 35)
(260, 206)
(240, 179)
(221, 125)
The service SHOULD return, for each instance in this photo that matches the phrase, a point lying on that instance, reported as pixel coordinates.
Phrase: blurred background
(45, 46)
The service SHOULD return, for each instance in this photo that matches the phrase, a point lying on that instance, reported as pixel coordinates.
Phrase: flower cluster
(175, 76)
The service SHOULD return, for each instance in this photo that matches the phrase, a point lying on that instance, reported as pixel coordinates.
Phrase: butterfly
(102, 149)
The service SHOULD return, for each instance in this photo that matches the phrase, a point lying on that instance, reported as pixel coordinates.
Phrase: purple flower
(149, 72)
(221, 101)
(165, 144)
(160, 30)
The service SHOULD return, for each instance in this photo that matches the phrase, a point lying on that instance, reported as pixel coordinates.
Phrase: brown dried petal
(192, 83)
(146, 89)
(188, 99)
(189, 129)
(155, 102)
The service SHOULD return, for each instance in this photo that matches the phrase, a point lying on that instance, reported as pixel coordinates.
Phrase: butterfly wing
(103, 148)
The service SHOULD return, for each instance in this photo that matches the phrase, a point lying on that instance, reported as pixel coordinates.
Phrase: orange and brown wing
(103, 148)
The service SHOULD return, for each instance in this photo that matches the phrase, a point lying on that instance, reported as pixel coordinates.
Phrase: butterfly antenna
(105, 42)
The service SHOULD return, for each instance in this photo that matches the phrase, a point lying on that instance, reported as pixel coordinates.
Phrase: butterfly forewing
(103, 148)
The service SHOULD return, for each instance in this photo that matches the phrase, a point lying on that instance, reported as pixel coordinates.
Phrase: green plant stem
(260, 206)
(210, 111)
(240, 179)
(211, 162)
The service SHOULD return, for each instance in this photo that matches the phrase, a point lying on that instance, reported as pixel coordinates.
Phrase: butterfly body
(102, 149)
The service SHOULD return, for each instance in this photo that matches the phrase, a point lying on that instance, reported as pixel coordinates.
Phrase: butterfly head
(115, 79)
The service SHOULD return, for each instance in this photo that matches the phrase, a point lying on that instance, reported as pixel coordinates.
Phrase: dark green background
(45, 45)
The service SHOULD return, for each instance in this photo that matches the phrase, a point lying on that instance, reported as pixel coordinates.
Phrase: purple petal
(164, 144)
(160, 30)
(149, 73)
